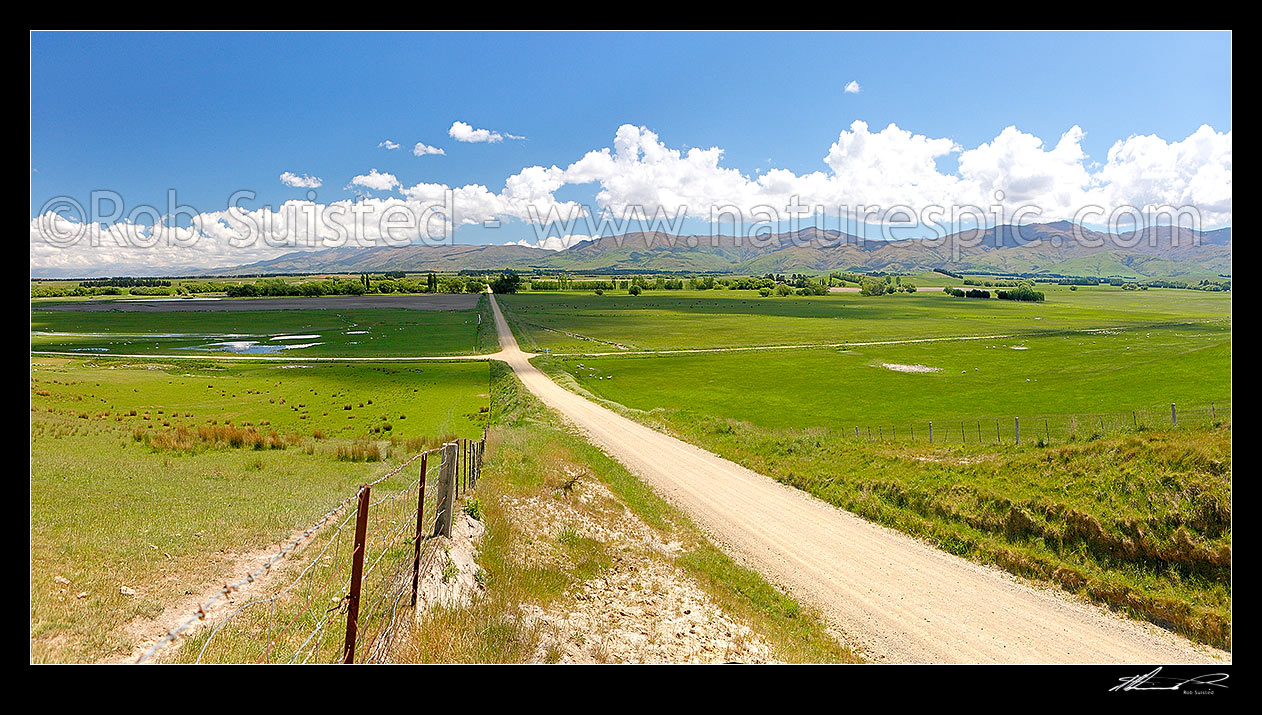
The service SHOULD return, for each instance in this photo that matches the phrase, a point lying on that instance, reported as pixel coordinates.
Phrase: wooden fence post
(930, 431)
(446, 491)
(1174, 415)
(420, 534)
(1017, 423)
(357, 575)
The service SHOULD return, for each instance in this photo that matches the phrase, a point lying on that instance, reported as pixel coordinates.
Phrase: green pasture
(664, 320)
(109, 511)
(1111, 371)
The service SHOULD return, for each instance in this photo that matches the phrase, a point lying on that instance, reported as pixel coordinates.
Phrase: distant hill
(1050, 248)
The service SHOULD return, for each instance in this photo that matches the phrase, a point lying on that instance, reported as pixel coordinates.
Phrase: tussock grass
(362, 451)
(188, 439)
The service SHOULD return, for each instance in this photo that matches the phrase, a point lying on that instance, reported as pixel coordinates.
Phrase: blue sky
(207, 114)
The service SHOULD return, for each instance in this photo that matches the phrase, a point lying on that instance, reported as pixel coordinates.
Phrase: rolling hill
(1057, 248)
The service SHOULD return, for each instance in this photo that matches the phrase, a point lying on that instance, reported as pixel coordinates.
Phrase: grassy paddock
(980, 380)
(662, 320)
(527, 455)
(377, 332)
(156, 476)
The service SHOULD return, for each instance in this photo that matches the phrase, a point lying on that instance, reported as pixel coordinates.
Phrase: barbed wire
(203, 610)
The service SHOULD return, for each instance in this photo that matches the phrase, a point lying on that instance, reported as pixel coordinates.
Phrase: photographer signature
(1154, 681)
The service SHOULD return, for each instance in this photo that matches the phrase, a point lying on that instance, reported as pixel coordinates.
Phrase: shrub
(874, 287)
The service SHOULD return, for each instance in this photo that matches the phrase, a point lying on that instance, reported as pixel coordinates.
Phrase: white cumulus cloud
(464, 132)
(387, 144)
(376, 181)
(896, 167)
(301, 181)
(852, 87)
(423, 149)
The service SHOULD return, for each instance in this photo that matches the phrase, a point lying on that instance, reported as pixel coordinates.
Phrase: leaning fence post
(1174, 415)
(357, 575)
(420, 535)
(446, 491)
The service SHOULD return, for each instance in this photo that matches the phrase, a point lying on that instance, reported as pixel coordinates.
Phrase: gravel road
(896, 599)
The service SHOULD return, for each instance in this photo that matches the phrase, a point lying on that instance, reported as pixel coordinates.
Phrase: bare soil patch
(897, 367)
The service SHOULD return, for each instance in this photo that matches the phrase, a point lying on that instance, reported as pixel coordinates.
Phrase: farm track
(895, 598)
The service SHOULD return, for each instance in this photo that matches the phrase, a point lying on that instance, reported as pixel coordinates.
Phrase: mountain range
(1059, 248)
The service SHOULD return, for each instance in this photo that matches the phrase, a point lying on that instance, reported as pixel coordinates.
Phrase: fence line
(358, 576)
(1042, 428)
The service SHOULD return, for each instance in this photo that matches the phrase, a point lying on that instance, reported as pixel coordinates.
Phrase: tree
(507, 283)
(634, 289)
(874, 286)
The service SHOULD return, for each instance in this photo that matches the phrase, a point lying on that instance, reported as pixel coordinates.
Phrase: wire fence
(342, 590)
(1043, 429)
